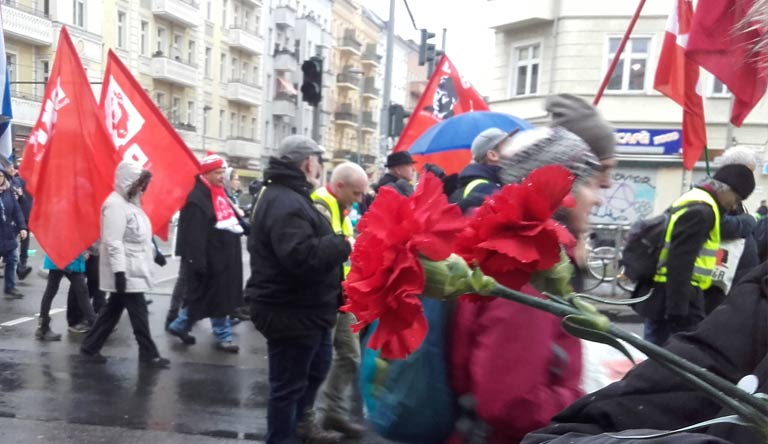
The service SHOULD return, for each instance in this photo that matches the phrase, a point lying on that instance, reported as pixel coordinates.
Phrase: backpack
(645, 240)
(410, 400)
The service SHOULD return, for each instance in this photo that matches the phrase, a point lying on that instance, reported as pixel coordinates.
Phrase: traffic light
(312, 85)
(397, 116)
(426, 49)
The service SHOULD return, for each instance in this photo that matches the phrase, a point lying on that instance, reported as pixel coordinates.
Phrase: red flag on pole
(720, 49)
(677, 77)
(142, 133)
(446, 95)
(69, 161)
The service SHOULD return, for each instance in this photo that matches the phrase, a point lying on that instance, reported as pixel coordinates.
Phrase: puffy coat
(12, 217)
(126, 236)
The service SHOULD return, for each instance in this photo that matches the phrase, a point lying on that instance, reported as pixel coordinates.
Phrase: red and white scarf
(225, 215)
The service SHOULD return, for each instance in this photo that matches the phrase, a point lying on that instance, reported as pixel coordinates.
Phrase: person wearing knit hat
(688, 257)
(211, 271)
(582, 118)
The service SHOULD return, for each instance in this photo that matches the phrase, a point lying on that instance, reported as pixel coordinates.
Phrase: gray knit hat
(581, 118)
(535, 148)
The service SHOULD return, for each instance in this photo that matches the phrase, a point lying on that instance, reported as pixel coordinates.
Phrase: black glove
(120, 282)
(160, 259)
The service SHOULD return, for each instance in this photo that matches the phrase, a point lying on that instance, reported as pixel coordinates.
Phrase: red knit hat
(211, 162)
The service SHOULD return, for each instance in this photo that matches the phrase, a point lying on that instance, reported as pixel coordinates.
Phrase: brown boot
(309, 432)
(344, 426)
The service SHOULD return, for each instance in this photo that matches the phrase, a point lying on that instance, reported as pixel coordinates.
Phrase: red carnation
(386, 276)
(512, 235)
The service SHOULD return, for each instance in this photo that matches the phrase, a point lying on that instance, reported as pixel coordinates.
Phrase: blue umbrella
(458, 132)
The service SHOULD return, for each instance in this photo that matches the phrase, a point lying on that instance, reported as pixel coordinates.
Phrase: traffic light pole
(386, 94)
(316, 123)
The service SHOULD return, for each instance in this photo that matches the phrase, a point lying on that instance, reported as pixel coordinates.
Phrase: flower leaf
(609, 301)
(732, 419)
(587, 328)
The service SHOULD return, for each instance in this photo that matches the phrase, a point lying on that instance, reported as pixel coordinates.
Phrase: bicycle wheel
(595, 273)
(609, 256)
(624, 282)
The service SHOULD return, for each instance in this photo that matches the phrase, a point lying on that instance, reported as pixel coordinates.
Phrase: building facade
(566, 46)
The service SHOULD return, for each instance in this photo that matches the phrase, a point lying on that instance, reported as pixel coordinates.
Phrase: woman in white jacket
(126, 254)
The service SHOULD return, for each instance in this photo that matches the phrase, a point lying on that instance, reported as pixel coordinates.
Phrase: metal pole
(619, 50)
(361, 86)
(386, 93)
(729, 125)
(445, 32)
(316, 123)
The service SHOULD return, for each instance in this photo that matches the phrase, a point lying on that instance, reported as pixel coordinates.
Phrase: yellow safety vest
(707, 258)
(472, 185)
(339, 226)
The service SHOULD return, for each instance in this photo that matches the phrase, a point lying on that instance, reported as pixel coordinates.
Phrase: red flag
(142, 133)
(446, 95)
(677, 77)
(69, 161)
(719, 49)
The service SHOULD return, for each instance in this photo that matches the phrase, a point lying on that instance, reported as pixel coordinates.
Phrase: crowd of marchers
(300, 239)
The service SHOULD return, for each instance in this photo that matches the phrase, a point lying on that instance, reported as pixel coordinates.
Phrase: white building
(565, 46)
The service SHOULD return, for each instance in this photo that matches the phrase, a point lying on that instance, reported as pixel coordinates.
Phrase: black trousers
(108, 318)
(98, 297)
(179, 292)
(76, 286)
(23, 252)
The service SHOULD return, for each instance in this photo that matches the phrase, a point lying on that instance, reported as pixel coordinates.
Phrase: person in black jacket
(732, 342)
(480, 178)
(12, 226)
(761, 239)
(400, 173)
(25, 202)
(294, 288)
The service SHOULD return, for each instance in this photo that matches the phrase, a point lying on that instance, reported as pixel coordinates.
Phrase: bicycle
(603, 267)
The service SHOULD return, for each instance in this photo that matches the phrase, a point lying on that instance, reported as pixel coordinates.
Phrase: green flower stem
(723, 391)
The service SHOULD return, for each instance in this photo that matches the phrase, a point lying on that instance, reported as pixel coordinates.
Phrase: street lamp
(206, 108)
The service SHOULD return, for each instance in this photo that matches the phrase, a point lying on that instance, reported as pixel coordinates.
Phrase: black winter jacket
(478, 194)
(296, 259)
(12, 218)
(732, 342)
(402, 186)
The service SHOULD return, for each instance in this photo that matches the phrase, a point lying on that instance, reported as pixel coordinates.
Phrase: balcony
(242, 147)
(284, 17)
(183, 12)
(284, 105)
(173, 71)
(348, 81)
(285, 60)
(26, 109)
(245, 40)
(511, 17)
(254, 3)
(369, 124)
(183, 126)
(370, 57)
(349, 43)
(344, 115)
(326, 41)
(27, 24)
(246, 93)
(369, 88)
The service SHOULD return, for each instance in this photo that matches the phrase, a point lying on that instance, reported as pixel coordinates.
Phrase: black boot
(44, 332)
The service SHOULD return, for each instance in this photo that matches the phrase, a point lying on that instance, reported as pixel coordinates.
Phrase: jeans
(221, 327)
(10, 259)
(659, 331)
(346, 362)
(297, 368)
(76, 285)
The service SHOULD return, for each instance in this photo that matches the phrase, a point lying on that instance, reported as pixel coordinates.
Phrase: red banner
(141, 132)
(446, 95)
(69, 161)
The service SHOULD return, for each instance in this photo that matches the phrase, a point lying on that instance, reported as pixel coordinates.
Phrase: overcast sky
(469, 41)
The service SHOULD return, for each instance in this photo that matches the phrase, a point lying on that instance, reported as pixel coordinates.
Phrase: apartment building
(200, 62)
(566, 46)
(355, 95)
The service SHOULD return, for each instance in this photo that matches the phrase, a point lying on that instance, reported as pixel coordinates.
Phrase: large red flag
(720, 49)
(142, 133)
(677, 77)
(446, 95)
(69, 161)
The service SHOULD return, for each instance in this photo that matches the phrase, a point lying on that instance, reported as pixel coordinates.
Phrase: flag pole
(619, 51)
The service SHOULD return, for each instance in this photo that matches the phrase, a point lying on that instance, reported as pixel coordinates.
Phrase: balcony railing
(370, 56)
(183, 12)
(172, 70)
(27, 24)
(348, 80)
(369, 87)
(245, 39)
(368, 121)
(345, 114)
(284, 16)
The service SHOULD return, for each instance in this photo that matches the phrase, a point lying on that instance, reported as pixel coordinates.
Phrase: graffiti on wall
(630, 197)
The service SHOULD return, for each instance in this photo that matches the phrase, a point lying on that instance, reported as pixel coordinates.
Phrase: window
(244, 71)
(208, 62)
(241, 130)
(176, 48)
(161, 43)
(255, 78)
(176, 110)
(144, 37)
(78, 13)
(232, 123)
(233, 77)
(254, 128)
(121, 29)
(208, 9)
(719, 88)
(10, 62)
(630, 71)
(525, 71)
(44, 69)
(224, 14)
(221, 124)
(191, 113)
(191, 52)
(223, 68)
(160, 101)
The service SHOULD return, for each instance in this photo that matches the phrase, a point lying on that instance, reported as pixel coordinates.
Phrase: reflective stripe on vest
(323, 196)
(707, 257)
(472, 185)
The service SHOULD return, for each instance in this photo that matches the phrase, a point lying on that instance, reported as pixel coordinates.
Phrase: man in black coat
(400, 173)
(209, 245)
(732, 343)
(294, 288)
(12, 225)
(25, 202)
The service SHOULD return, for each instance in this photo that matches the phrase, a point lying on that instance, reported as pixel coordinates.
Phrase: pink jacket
(518, 362)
